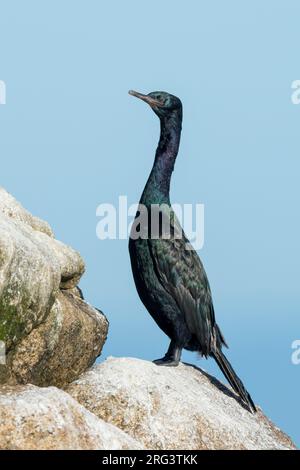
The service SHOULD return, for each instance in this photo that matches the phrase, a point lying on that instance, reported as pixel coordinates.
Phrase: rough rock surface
(58, 350)
(51, 336)
(33, 418)
(173, 408)
(12, 208)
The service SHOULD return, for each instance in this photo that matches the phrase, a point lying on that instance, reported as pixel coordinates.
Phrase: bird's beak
(151, 101)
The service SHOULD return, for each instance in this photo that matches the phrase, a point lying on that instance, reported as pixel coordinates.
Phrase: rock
(29, 280)
(72, 335)
(12, 208)
(33, 418)
(71, 264)
(50, 334)
(173, 408)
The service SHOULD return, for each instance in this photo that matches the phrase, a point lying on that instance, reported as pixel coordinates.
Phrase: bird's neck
(157, 189)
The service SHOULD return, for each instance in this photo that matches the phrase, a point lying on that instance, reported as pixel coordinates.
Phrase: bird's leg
(172, 356)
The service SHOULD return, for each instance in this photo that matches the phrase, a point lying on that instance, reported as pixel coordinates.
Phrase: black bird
(168, 274)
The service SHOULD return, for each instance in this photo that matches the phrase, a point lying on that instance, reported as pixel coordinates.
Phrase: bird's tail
(233, 379)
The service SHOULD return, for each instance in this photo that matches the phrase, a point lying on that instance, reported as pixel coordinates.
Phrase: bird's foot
(166, 361)
(172, 356)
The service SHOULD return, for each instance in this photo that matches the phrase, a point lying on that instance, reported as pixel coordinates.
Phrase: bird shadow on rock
(222, 387)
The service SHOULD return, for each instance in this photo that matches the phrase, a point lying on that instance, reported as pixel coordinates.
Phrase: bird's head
(163, 104)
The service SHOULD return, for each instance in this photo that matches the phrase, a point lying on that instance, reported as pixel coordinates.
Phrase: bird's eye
(158, 97)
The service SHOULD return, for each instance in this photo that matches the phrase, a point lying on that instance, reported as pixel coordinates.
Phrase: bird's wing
(182, 275)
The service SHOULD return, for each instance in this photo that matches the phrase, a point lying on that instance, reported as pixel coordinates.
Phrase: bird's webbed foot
(166, 361)
(171, 358)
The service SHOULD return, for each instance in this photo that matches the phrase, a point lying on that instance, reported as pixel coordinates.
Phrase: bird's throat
(157, 189)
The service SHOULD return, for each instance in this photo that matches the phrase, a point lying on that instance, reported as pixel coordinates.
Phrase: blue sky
(72, 138)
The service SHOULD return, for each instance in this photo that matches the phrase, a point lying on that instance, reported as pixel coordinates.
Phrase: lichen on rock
(62, 347)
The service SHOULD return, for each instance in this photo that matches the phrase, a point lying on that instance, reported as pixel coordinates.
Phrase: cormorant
(168, 274)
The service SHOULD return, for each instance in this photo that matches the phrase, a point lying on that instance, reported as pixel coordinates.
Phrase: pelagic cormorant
(169, 276)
